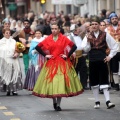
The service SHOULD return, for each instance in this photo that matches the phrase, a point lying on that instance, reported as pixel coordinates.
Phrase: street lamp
(42, 1)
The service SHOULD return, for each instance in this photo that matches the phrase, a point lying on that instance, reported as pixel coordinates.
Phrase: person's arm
(74, 47)
(86, 45)
(40, 50)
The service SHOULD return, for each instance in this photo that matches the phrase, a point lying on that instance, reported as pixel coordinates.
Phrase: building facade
(91, 7)
(82, 7)
(94, 7)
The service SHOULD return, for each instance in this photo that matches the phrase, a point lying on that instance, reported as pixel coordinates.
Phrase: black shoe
(112, 84)
(4, 88)
(55, 106)
(8, 94)
(15, 93)
(110, 105)
(86, 88)
(117, 88)
(58, 108)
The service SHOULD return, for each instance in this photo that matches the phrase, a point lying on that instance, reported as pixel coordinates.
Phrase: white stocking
(116, 78)
(95, 93)
(106, 94)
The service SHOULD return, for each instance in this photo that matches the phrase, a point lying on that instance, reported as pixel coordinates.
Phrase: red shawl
(55, 48)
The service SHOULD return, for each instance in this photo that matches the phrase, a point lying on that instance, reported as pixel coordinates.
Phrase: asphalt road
(28, 107)
(25, 106)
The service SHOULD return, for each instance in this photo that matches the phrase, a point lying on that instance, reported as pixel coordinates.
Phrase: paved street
(28, 107)
(25, 106)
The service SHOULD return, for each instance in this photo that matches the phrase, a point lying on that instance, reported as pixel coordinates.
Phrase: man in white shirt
(96, 44)
(114, 31)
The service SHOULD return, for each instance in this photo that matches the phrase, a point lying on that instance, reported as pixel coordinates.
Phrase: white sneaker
(97, 106)
(110, 105)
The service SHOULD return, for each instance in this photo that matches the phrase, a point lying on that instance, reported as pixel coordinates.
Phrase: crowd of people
(56, 50)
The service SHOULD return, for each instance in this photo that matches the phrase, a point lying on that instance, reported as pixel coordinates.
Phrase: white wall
(90, 7)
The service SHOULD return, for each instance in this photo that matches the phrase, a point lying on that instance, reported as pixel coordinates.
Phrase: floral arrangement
(19, 47)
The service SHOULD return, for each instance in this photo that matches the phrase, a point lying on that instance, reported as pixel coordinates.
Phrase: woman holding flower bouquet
(36, 62)
(10, 72)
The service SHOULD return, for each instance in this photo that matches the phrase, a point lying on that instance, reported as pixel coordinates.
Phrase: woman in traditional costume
(57, 78)
(36, 62)
(10, 72)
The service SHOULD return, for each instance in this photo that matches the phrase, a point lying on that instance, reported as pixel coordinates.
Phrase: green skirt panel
(58, 87)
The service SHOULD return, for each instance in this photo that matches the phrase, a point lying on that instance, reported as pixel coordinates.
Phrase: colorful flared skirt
(64, 83)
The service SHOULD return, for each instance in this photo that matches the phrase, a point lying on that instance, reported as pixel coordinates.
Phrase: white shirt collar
(96, 34)
(115, 27)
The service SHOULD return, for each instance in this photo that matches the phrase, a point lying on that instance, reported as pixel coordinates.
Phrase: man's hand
(89, 37)
(107, 59)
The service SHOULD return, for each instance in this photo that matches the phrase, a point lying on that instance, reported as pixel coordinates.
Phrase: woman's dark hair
(103, 22)
(61, 29)
(56, 23)
(38, 30)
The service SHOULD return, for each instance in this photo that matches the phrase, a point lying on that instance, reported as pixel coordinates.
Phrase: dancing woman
(57, 78)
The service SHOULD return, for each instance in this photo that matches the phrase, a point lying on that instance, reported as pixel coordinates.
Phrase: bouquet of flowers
(19, 47)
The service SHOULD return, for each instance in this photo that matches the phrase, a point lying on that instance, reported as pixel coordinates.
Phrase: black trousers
(114, 63)
(98, 73)
(81, 69)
